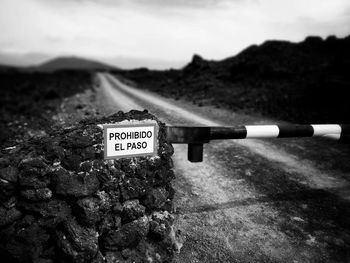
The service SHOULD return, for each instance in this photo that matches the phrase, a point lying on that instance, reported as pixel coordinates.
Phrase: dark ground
(29, 100)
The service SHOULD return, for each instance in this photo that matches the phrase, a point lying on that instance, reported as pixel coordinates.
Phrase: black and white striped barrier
(195, 137)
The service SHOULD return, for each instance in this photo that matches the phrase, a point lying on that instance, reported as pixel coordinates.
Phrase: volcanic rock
(9, 174)
(134, 188)
(88, 210)
(78, 185)
(156, 198)
(33, 173)
(129, 235)
(132, 210)
(37, 194)
(9, 216)
(160, 225)
(25, 243)
(77, 243)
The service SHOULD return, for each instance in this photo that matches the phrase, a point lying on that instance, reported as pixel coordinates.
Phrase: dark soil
(30, 99)
(306, 82)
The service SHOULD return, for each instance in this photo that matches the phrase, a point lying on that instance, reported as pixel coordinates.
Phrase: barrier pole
(196, 136)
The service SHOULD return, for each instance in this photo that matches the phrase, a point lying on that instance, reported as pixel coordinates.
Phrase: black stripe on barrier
(184, 134)
(344, 138)
(345, 129)
(220, 133)
(345, 134)
(295, 131)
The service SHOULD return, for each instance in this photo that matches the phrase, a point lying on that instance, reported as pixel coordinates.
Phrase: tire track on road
(116, 97)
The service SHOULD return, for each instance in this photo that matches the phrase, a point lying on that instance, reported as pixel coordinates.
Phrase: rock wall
(62, 202)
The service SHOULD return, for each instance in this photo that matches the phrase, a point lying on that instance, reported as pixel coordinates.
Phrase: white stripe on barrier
(326, 129)
(332, 136)
(262, 131)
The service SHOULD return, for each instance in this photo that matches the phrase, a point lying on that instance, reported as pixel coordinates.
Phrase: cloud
(180, 3)
(154, 3)
(160, 30)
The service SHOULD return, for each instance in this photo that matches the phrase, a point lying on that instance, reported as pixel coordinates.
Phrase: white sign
(129, 140)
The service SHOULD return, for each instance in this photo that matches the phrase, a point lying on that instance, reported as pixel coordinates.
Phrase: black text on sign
(129, 140)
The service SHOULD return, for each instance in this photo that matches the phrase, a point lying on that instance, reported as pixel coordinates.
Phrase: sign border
(112, 125)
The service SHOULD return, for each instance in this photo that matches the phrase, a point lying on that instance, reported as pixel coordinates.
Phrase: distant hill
(22, 60)
(73, 63)
(305, 82)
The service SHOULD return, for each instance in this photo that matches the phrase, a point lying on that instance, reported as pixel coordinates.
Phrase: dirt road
(284, 200)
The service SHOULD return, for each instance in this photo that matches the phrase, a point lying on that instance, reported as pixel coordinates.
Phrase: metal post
(195, 152)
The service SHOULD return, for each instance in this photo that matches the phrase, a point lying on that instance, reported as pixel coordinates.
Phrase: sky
(159, 33)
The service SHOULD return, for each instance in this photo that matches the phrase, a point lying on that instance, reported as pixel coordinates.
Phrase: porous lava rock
(132, 210)
(60, 201)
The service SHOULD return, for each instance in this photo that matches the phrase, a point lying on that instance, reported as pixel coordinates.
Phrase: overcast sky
(162, 33)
